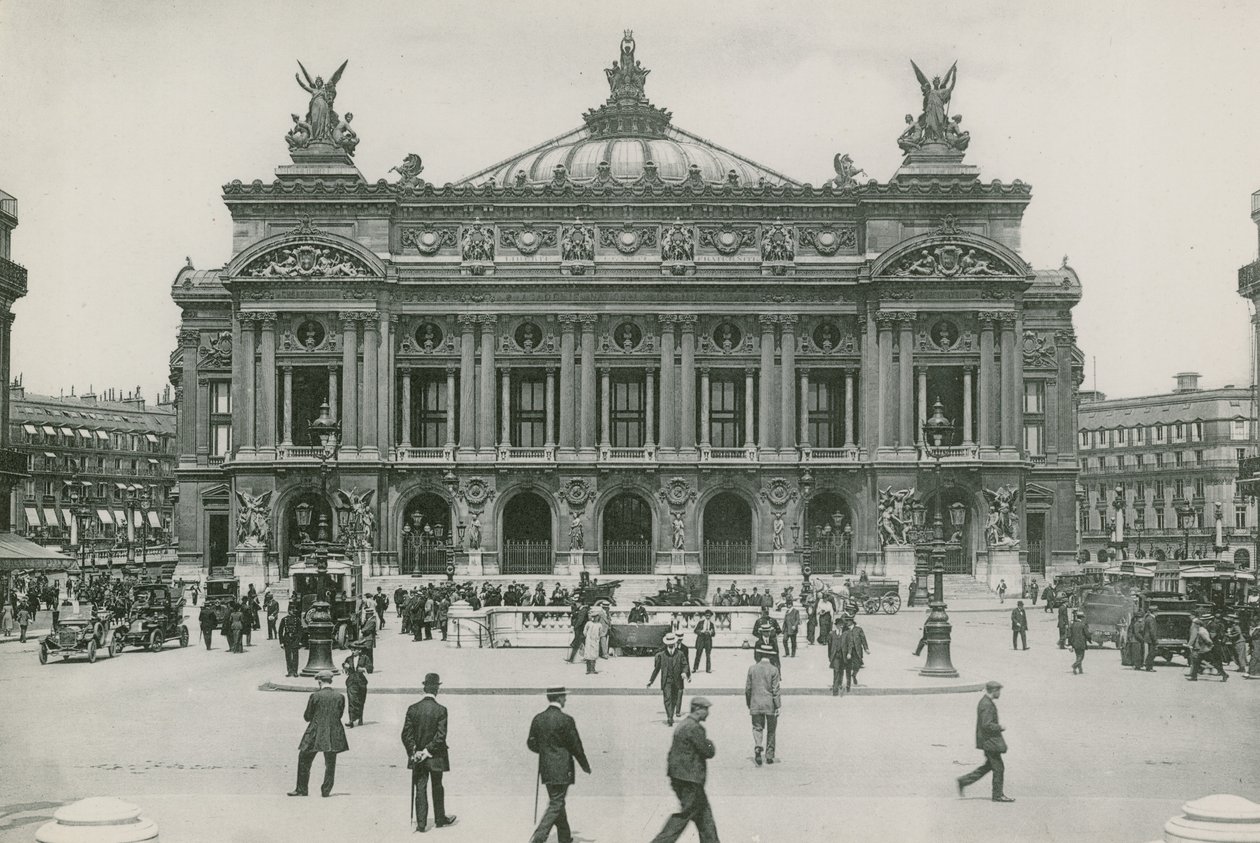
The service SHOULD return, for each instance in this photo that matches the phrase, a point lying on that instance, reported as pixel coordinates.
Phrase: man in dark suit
(424, 737)
(1150, 637)
(1078, 637)
(1019, 626)
(687, 768)
(1063, 625)
(989, 740)
(290, 634)
(324, 733)
(554, 736)
(671, 665)
(367, 640)
(791, 623)
(704, 641)
(579, 618)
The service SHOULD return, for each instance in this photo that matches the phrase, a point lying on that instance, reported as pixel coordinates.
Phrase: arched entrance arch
(626, 535)
(962, 542)
(425, 534)
(526, 531)
(293, 534)
(727, 533)
(829, 534)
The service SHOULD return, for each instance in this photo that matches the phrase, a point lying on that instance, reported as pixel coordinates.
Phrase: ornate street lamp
(918, 590)
(937, 630)
(145, 504)
(327, 432)
(936, 428)
(1186, 514)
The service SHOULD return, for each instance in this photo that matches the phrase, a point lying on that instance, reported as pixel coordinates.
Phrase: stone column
(287, 433)
(750, 441)
(669, 426)
(505, 408)
(867, 432)
(333, 394)
(649, 407)
(1065, 418)
(849, 410)
(189, 408)
(405, 409)
(250, 393)
(765, 431)
(966, 423)
(588, 383)
(804, 432)
(549, 438)
(705, 409)
(905, 433)
(450, 406)
(567, 428)
(921, 375)
(350, 380)
(267, 383)
(244, 322)
(386, 397)
(605, 407)
(787, 383)
(1010, 414)
(368, 439)
(203, 419)
(884, 375)
(687, 384)
(485, 404)
(1017, 383)
(467, 383)
(988, 385)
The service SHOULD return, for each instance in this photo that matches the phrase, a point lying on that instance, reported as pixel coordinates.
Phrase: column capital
(788, 321)
(349, 317)
(189, 337)
(549, 370)
(451, 369)
(886, 319)
(568, 319)
(1065, 337)
(333, 367)
(203, 381)
(467, 320)
(749, 371)
(987, 318)
(605, 370)
(803, 371)
(588, 321)
(487, 318)
(667, 319)
(287, 368)
(370, 318)
(768, 321)
(704, 371)
(245, 317)
(406, 370)
(920, 371)
(266, 318)
(687, 321)
(394, 318)
(649, 370)
(1007, 318)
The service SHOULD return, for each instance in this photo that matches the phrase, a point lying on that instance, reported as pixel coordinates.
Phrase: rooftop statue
(322, 125)
(846, 171)
(934, 126)
(626, 77)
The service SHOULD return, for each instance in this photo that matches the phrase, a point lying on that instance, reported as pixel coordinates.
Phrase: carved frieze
(1038, 349)
(677, 493)
(477, 243)
(576, 492)
(828, 338)
(526, 239)
(951, 261)
(727, 239)
(778, 243)
(830, 240)
(217, 352)
(306, 260)
(678, 244)
(778, 492)
(577, 242)
(430, 239)
(628, 238)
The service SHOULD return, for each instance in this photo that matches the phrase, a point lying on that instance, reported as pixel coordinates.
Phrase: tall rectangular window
(1179, 489)
(1159, 433)
(220, 397)
(1179, 459)
(1139, 490)
(428, 410)
(220, 418)
(1140, 432)
(1238, 429)
(1032, 439)
(1034, 396)
(221, 438)
(825, 430)
(1159, 519)
(1159, 460)
(1196, 431)
(1198, 458)
(1240, 454)
(529, 411)
(726, 409)
(1240, 517)
(1198, 487)
(1179, 432)
(627, 411)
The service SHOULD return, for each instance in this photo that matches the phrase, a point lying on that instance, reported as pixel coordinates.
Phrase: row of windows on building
(38, 489)
(1159, 459)
(1155, 434)
(28, 433)
(1165, 519)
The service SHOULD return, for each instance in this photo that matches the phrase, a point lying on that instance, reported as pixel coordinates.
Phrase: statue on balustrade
(680, 531)
(1002, 529)
(892, 516)
(577, 538)
(252, 528)
(474, 532)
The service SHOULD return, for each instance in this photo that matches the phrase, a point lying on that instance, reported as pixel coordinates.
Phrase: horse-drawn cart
(875, 596)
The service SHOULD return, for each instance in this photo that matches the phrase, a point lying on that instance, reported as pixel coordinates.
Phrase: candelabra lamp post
(1139, 524)
(937, 630)
(919, 589)
(1187, 515)
(327, 432)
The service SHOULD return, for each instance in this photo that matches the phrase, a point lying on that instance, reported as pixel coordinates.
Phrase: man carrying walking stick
(554, 736)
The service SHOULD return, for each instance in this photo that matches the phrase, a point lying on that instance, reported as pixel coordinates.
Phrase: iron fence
(1037, 557)
(527, 558)
(626, 558)
(428, 558)
(832, 557)
(728, 558)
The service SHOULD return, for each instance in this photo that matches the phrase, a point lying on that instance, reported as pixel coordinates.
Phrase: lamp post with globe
(937, 630)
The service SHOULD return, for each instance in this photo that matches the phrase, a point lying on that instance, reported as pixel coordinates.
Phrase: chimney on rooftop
(16, 391)
(88, 397)
(1187, 382)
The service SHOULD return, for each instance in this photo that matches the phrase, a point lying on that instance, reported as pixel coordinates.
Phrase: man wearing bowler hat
(671, 664)
(554, 736)
(324, 733)
(424, 738)
(989, 740)
(687, 769)
(761, 694)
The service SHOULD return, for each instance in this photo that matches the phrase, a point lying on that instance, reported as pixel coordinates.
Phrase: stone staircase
(964, 585)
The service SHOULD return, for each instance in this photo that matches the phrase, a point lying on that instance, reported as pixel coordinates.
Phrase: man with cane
(554, 736)
(424, 738)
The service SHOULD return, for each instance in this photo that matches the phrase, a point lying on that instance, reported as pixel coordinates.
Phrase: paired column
(267, 381)
(849, 409)
(605, 407)
(386, 396)
(988, 385)
(804, 433)
(669, 426)
(549, 438)
(333, 393)
(1017, 382)
(649, 407)
(1065, 417)
(905, 434)
(705, 409)
(368, 433)
(485, 406)
(203, 419)
(286, 434)
(750, 441)
(884, 395)
(505, 408)
(687, 384)
(350, 380)
(567, 437)
(588, 383)
(467, 383)
(966, 423)
(921, 376)
(450, 406)
(405, 374)
(765, 422)
(787, 382)
(189, 409)
(1010, 415)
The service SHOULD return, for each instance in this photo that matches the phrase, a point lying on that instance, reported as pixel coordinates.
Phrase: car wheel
(113, 648)
(91, 651)
(892, 604)
(183, 636)
(43, 654)
(155, 641)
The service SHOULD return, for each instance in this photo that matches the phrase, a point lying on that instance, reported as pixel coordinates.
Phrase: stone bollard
(98, 819)
(1220, 818)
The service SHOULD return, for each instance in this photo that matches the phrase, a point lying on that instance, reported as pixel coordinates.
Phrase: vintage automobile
(590, 593)
(222, 587)
(1173, 614)
(679, 591)
(1107, 612)
(1220, 591)
(1066, 588)
(80, 631)
(336, 580)
(156, 616)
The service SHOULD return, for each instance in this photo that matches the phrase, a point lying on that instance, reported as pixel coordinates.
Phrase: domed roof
(622, 140)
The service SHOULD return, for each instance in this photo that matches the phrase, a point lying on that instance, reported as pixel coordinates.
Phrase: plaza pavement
(188, 736)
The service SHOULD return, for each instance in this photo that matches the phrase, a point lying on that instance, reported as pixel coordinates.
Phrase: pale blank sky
(1134, 123)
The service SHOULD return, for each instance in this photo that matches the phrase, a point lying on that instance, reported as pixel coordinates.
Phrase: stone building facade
(628, 349)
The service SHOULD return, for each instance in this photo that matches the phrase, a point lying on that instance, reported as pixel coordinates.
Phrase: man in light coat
(761, 694)
(592, 633)
(671, 665)
(989, 740)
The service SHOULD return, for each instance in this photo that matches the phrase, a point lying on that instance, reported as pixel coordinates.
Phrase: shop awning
(49, 431)
(32, 516)
(137, 519)
(30, 428)
(50, 455)
(120, 518)
(122, 486)
(67, 517)
(154, 521)
(50, 517)
(100, 434)
(152, 461)
(87, 484)
(86, 434)
(105, 517)
(151, 438)
(19, 554)
(65, 431)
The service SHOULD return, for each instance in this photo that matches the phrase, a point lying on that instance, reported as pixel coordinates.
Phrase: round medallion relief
(628, 336)
(826, 336)
(726, 336)
(428, 336)
(945, 334)
(527, 336)
(310, 334)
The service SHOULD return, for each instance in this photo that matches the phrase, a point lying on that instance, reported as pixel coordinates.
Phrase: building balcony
(412, 454)
(13, 276)
(709, 454)
(1249, 275)
(637, 456)
(952, 453)
(831, 455)
(513, 454)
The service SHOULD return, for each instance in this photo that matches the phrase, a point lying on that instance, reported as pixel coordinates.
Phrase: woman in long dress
(590, 638)
(356, 687)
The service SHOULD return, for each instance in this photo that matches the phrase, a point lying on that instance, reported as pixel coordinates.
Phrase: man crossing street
(687, 770)
(791, 625)
(704, 641)
(989, 740)
(1019, 626)
(761, 695)
(671, 665)
(553, 735)
(428, 757)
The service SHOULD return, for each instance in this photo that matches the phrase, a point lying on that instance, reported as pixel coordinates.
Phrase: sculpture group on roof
(934, 125)
(322, 126)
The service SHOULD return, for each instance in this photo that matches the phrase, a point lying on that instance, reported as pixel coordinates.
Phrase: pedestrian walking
(605, 627)
(6, 619)
(382, 606)
(1202, 647)
(761, 695)
(1150, 638)
(251, 608)
(424, 737)
(367, 640)
(826, 608)
(766, 630)
(811, 619)
(1078, 636)
(290, 634)
(671, 665)
(577, 620)
(687, 768)
(272, 606)
(196, 592)
(209, 622)
(1253, 664)
(1063, 625)
(1019, 626)
(23, 621)
(1032, 591)
(1001, 590)
(791, 625)
(400, 599)
(236, 628)
(989, 740)
(324, 733)
(1047, 599)
(591, 633)
(1238, 639)
(838, 651)
(859, 650)
(553, 735)
(1134, 641)
(704, 641)
(356, 687)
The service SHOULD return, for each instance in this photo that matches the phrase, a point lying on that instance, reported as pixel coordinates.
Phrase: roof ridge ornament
(627, 112)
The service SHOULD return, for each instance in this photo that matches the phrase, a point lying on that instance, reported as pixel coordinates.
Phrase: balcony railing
(626, 558)
(515, 454)
(298, 452)
(708, 454)
(641, 454)
(14, 275)
(413, 454)
(728, 558)
(1249, 275)
(527, 558)
(951, 452)
(830, 454)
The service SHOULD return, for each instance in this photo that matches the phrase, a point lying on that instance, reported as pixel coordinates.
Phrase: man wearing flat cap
(554, 736)
(687, 769)
(671, 665)
(761, 694)
(324, 733)
(989, 740)
(424, 738)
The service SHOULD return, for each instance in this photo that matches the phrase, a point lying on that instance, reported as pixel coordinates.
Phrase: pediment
(306, 252)
(950, 253)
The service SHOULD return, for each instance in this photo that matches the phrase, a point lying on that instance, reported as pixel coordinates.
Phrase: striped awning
(105, 517)
(65, 431)
(154, 521)
(151, 438)
(50, 455)
(152, 461)
(100, 434)
(19, 554)
(32, 516)
(50, 517)
(86, 434)
(67, 517)
(120, 518)
(122, 486)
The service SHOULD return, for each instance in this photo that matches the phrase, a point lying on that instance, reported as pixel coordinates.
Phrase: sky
(1134, 122)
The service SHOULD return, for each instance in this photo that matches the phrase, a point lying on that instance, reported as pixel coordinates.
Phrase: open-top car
(156, 616)
(81, 631)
